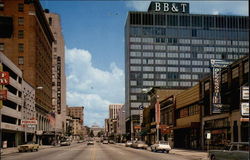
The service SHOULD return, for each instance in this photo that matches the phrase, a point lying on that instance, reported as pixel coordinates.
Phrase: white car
(128, 144)
(141, 145)
(161, 146)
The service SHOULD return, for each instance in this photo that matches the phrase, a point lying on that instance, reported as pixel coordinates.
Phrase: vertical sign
(244, 101)
(217, 65)
(157, 112)
(4, 78)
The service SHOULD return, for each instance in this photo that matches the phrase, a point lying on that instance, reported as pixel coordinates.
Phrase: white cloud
(91, 87)
(201, 7)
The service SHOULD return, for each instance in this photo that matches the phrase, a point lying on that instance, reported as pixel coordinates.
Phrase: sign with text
(245, 109)
(217, 65)
(4, 78)
(170, 7)
(3, 94)
(245, 93)
(28, 122)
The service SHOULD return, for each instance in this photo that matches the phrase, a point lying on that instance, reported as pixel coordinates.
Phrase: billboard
(3, 94)
(217, 66)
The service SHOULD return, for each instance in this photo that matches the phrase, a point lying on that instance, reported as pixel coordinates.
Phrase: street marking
(93, 155)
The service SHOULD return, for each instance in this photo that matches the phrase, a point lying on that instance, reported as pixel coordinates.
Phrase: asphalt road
(93, 152)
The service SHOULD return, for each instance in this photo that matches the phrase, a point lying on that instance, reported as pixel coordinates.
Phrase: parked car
(141, 145)
(134, 144)
(161, 146)
(30, 146)
(91, 142)
(80, 141)
(111, 142)
(105, 142)
(128, 143)
(235, 151)
(65, 143)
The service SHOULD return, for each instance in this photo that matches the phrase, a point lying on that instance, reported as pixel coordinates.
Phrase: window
(235, 72)
(135, 68)
(135, 61)
(160, 54)
(147, 40)
(160, 69)
(135, 39)
(224, 78)
(173, 62)
(173, 83)
(20, 21)
(185, 76)
(148, 54)
(173, 55)
(172, 48)
(184, 21)
(1, 6)
(196, 41)
(185, 55)
(197, 70)
(148, 76)
(133, 97)
(148, 61)
(1, 46)
(160, 47)
(50, 21)
(197, 63)
(173, 69)
(160, 83)
(184, 48)
(20, 60)
(194, 76)
(184, 41)
(148, 83)
(20, 34)
(148, 47)
(160, 61)
(135, 54)
(185, 84)
(20, 47)
(148, 68)
(20, 7)
(133, 83)
(246, 67)
(133, 46)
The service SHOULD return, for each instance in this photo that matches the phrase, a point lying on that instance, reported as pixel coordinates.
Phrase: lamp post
(24, 107)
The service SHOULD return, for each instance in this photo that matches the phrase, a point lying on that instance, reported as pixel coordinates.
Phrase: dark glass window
(232, 22)
(194, 33)
(20, 7)
(196, 21)
(160, 19)
(135, 18)
(135, 31)
(220, 22)
(50, 21)
(208, 22)
(20, 47)
(147, 19)
(160, 31)
(184, 21)
(243, 23)
(20, 34)
(147, 31)
(1, 6)
(172, 20)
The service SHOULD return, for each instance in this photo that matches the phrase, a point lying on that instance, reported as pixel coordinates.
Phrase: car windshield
(30, 142)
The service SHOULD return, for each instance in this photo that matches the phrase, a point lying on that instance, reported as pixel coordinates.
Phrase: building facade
(58, 72)
(29, 45)
(114, 110)
(172, 49)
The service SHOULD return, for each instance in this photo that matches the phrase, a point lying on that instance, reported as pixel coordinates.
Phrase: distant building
(76, 113)
(96, 129)
(113, 110)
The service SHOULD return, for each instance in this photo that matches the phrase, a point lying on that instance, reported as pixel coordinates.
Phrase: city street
(94, 152)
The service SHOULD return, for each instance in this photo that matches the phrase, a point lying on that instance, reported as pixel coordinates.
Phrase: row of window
(187, 33)
(206, 21)
(188, 48)
(169, 69)
(188, 41)
(20, 7)
(163, 84)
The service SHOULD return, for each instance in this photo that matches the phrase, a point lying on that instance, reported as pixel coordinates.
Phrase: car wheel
(213, 157)
(167, 151)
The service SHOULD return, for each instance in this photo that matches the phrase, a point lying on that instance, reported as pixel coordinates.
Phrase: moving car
(105, 142)
(65, 143)
(90, 142)
(161, 146)
(235, 151)
(128, 144)
(30, 146)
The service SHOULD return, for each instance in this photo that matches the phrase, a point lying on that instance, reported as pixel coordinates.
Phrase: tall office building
(171, 48)
(58, 72)
(26, 39)
(114, 110)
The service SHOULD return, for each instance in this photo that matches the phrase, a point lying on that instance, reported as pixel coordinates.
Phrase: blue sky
(94, 41)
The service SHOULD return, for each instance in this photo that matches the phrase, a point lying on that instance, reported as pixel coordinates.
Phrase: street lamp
(24, 106)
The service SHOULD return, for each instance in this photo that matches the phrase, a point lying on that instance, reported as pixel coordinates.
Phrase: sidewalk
(202, 155)
(14, 149)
